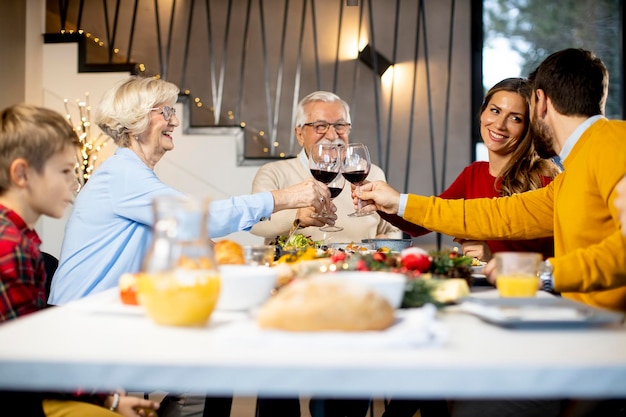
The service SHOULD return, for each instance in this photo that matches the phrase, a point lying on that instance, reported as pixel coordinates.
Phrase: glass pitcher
(179, 283)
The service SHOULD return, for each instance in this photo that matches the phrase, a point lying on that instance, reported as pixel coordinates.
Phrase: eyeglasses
(166, 111)
(322, 127)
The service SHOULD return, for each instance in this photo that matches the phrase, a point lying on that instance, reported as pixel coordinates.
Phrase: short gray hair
(125, 109)
(324, 96)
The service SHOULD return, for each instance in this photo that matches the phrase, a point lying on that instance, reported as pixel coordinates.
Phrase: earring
(136, 137)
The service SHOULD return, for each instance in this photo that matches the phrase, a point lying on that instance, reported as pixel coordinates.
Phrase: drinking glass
(324, 164)
(355, 167)
(335, 187)
(516, 273)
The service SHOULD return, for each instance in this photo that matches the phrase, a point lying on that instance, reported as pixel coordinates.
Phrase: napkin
(414, 328)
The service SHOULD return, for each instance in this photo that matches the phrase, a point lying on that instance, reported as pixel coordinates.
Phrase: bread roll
(311, 305)
(228, 252)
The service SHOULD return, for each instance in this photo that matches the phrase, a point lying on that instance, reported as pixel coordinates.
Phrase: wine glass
(335, 187)
(324, 164)
(355, 167)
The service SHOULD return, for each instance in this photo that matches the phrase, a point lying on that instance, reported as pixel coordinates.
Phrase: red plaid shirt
(23, 278)
(22, 270)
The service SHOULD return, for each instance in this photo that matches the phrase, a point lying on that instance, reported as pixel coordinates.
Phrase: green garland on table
(426, 275)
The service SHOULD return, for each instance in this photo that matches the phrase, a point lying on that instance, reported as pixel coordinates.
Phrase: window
(518, 34)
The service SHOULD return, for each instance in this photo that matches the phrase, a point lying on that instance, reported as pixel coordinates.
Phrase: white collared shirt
(576, 134)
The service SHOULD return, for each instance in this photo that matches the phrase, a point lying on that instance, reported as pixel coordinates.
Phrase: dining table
(98, 343)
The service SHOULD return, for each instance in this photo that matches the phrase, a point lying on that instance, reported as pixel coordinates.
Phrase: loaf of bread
(311, 305)
(228, 252)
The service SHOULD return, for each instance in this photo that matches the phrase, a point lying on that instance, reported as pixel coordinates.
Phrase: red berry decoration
(361, 265)
(415, 259)
(338, 257)
(379, 257)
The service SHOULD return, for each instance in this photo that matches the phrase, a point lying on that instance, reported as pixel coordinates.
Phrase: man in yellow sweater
(569, 95)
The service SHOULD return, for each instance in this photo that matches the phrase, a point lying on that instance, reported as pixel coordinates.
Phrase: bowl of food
(389, 285)
(477, 266)
(352, 247)
(245, 287)
(394, 245)
(179, 297)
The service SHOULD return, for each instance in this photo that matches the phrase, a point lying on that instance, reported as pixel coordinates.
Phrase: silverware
(294, 228)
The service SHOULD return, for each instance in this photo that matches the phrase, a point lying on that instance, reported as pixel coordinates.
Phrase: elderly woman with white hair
(110, 228)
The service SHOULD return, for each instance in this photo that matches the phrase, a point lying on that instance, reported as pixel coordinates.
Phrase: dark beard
(543, 139)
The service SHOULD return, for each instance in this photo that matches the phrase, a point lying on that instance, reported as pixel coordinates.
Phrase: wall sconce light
(369, 56)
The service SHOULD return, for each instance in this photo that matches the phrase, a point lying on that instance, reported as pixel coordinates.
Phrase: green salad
(297, 241)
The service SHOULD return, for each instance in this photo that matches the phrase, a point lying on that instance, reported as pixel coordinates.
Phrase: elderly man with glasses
(321, 117)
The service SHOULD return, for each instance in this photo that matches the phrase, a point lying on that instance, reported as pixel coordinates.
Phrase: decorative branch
(92, 142)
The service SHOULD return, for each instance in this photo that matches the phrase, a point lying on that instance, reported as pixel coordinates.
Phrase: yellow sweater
(577, 208)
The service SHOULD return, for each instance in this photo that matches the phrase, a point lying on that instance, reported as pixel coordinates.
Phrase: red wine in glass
(324, 164)
(335, 187)
(355, 166)
(323, 176)
(334, 192)
(355, 177)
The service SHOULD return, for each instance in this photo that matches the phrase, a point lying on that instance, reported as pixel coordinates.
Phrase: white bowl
(389, 285)
(244, 287)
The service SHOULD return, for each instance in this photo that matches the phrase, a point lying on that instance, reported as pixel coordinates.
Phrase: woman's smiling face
(504, 122)
(152, 144)
(160, 130)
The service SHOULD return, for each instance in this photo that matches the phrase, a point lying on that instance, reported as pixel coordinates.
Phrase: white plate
(109, 303)
(478, 269)
(539, 312)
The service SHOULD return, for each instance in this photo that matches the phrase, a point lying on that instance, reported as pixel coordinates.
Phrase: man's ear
(541, 103)
(299, 136)
(18, 172)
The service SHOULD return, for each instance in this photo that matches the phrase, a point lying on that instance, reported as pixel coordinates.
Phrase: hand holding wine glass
(355, 167)
(324, 164)
(335, 187)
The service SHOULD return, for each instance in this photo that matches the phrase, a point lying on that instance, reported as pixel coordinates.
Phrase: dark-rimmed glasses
(322, 127)
(166, 111)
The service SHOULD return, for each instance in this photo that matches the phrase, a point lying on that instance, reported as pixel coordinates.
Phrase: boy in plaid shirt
(38, 150)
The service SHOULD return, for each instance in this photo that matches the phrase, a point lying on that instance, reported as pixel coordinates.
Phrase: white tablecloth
(96, 343)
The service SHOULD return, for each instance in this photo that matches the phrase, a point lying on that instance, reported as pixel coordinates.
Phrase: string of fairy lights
(91, 143)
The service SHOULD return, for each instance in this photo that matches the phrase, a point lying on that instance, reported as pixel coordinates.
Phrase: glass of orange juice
(516, 273)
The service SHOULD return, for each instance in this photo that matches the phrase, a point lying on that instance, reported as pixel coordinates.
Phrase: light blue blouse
(110, 227)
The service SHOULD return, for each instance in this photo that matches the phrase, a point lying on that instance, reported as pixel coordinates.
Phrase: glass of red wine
(355, 167)
(324, 164)
(335, 187)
